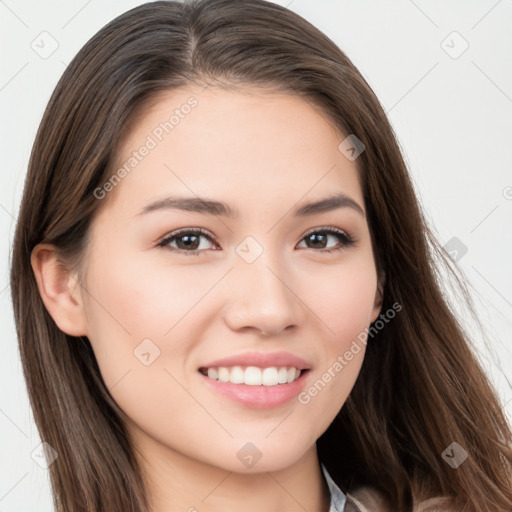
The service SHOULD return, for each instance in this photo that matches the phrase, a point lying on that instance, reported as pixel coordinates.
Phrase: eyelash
(345, 238)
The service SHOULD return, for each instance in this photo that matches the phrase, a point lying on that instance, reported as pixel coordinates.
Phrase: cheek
(145, 300)
(136, 322)
(138, 314)
(343, 302)
(343, 298)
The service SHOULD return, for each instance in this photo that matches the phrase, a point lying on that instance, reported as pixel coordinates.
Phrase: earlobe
(59, 290)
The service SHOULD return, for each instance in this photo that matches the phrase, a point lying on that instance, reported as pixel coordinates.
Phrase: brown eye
(187, 241)
(321, 239)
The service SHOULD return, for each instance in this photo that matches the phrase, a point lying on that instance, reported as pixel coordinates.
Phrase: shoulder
(368, 499)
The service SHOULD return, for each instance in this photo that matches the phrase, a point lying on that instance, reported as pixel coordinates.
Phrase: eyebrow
(211, 207)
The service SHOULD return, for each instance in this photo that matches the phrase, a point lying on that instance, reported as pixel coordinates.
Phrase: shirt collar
(338, 498)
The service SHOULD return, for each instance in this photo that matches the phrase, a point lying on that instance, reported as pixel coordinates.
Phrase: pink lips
(261, 360)
(259, 397)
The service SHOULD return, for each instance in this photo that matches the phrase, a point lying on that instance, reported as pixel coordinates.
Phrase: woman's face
(267, 285)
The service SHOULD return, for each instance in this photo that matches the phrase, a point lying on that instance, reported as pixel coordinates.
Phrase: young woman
(225, 292)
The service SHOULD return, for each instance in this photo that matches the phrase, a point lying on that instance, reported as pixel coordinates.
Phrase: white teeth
(223, 374)
(269, 377)
(237, 375)
(282, 376)
(254, 376)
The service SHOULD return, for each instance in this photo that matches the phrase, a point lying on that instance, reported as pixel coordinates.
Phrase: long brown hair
(420, 387)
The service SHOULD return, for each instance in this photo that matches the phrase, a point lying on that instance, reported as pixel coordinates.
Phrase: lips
(261, 360)
(255, 379)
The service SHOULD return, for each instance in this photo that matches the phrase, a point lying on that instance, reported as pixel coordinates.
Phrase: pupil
(189, 244)
(320, 238)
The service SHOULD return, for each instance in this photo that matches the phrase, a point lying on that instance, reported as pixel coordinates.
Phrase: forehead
(212, 142)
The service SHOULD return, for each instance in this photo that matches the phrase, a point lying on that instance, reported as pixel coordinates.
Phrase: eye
(319, 238)
(188, 241)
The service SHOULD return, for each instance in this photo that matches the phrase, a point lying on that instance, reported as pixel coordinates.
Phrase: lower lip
(258, 397)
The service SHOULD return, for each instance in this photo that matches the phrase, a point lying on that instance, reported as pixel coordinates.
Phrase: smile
(253, 375)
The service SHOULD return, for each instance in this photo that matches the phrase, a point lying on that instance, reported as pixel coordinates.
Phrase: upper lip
(261, 360)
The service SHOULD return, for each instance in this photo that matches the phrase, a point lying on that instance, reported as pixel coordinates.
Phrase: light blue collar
(338, 498)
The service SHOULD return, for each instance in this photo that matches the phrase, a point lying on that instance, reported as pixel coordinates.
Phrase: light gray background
(451, 113)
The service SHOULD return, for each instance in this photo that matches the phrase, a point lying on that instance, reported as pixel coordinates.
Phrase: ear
(379, 296)
(59, 290)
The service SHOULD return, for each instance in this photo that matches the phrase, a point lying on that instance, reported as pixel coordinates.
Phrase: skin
(263, 154)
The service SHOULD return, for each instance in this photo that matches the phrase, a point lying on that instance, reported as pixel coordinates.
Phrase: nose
(261, 298)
